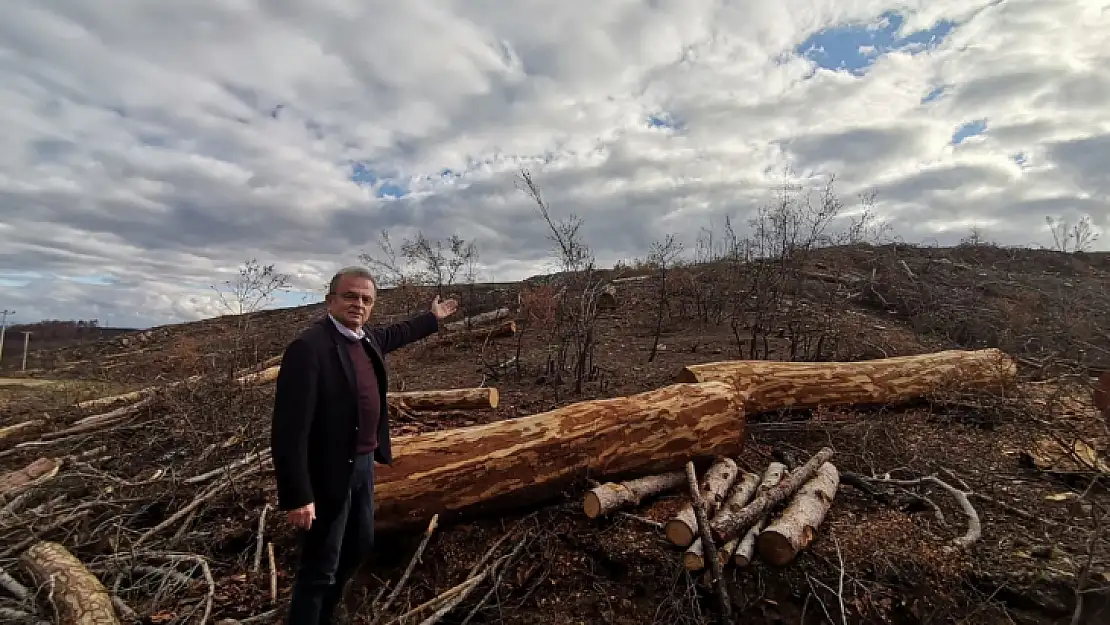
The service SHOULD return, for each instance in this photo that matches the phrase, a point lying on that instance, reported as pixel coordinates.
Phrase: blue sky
(148, 150)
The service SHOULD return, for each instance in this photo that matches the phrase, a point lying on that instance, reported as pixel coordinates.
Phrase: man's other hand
(302, 517)
(443, 309)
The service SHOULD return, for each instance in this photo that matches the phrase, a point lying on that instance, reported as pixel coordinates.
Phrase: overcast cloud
(148, 147)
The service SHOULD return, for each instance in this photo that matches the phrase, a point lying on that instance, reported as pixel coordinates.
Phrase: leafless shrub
(1069, 238)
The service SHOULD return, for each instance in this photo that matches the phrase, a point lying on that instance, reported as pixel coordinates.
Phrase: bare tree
(662, 255)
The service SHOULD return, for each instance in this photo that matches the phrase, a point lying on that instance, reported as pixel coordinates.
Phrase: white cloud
(161, 145)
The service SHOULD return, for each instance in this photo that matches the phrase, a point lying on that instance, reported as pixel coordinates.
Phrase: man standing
(330, 423)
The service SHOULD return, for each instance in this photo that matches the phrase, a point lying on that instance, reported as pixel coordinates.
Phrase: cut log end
(591, 505)
(679, 532)
(78, 596)
(774, 548)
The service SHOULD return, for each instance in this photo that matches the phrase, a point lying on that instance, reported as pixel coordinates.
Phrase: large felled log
(77, 595)
(447, 399)
(716, 482)
(521, 461)
(612, 496)
(773, 385)
(795, 528)
(730, 523)
(15, 482)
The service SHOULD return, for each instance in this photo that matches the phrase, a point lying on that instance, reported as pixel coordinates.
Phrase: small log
(718, 479)
(612, 496)
(741, 493)
(730, 523)
(77, 595)
(518, 462)
(479, 334)
(745, 547)
(783, 385)
(476, 320)
(15, 482)
(796, 527)
(448, 399)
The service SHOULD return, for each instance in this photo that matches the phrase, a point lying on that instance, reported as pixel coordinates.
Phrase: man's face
(352, 301)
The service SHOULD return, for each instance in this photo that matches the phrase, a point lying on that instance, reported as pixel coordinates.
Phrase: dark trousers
(333, 548)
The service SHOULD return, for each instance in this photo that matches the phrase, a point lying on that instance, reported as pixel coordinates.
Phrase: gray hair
(353, 270)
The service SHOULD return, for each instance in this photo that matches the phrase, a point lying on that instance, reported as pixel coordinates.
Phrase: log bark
(742, 491)
(745, 546)
(448, 399)
(518, 462)
(612, 496)
(730, 523)
(796, 527)
(15, 482)
(718, 479)
(776, 385)
(78, 596)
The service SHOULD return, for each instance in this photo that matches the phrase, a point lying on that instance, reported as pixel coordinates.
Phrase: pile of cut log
(774, 513)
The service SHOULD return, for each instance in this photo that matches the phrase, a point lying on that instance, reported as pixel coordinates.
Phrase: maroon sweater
(369, 401)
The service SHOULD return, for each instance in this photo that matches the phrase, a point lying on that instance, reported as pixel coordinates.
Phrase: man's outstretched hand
(445, 308)
(302, 517)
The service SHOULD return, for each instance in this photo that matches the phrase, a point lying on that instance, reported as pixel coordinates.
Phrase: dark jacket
(315, 417)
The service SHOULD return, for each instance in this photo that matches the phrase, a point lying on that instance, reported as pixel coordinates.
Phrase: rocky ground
(125, 495)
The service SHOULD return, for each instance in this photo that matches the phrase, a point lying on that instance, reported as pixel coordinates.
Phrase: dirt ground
(881, 555)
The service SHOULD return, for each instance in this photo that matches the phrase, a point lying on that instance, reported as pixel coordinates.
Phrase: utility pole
(26, 339)
(3, 329)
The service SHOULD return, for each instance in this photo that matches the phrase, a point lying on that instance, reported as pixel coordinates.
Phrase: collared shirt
(347, 332)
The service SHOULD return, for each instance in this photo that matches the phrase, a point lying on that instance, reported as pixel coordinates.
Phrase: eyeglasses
(355, 297)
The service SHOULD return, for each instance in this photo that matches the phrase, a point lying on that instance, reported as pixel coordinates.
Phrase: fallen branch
(974, 526)
(378, 612)
(212, 492)
(260, 538)
(701, 510)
